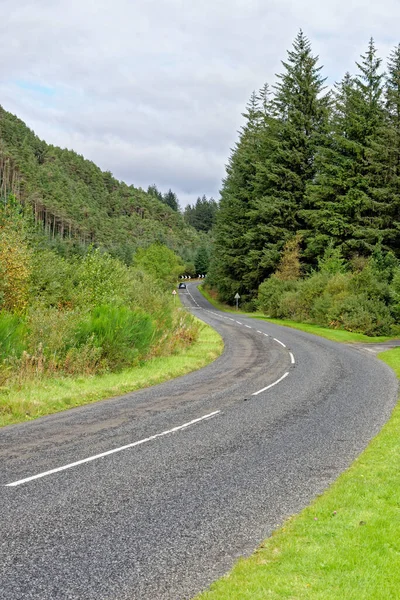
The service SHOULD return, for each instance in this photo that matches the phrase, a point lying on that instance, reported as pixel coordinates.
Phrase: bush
(301, 302)
(12, 336)
(361, 314)
(270, 294)
(52, 333)
(122, 335)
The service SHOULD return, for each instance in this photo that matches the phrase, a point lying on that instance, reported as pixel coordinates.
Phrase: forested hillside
(308, 226)
(319, 164)
(80, 204)
(87, 266)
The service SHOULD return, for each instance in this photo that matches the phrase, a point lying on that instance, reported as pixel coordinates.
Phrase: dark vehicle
(182, 286)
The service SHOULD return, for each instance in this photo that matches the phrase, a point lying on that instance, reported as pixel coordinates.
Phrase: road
(187, 476)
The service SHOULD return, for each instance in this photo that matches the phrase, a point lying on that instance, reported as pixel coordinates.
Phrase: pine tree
(202, 261)
(228, 269)
(201, 215)
(171, 200)
(293, 122)
(348, 199)
(392, 97)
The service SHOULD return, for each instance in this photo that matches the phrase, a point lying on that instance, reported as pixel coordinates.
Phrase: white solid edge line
(279, 342)
(271, 385)
(138, 443)
(291, 358)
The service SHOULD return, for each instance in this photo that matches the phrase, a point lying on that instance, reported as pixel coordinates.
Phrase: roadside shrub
(270, 294)
(12, 335)
(51, 334)
(122, 335)
(361, 314)
(101, 279)
(53, 280)
(371, 284)
(300, 302)
(160, 262)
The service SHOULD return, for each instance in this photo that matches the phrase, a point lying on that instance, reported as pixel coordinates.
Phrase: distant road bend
(155, 494)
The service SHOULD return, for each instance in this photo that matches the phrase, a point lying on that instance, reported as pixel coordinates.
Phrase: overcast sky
(153, 90)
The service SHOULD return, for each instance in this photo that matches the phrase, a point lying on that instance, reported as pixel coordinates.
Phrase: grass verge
(345, 545)
(336, 335)
(47, 396)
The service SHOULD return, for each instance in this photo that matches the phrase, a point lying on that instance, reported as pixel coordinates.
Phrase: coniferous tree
(228, 269)
(392, 98)
(171, 200)
(294, 120)
(349, 199)
(201, 215)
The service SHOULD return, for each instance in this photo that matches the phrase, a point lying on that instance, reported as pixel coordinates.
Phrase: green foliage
(320, 165)
(363, 314)
(270, 295)
(78, 204)
(13, 333)
(332, 261)
(201, 215)
(202, 261)
(361, 301)
(15, 258)
(160, 262)
(264, 190)
(120, 334)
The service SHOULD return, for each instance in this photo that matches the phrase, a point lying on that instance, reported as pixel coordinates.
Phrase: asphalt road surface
(187, 476)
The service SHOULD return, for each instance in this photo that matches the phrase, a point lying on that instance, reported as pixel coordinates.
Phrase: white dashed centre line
(91, 458)
(271, 385)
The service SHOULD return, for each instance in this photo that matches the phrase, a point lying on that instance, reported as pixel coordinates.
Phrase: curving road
(185, 477)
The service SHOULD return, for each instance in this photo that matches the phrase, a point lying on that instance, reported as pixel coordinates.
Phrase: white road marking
(279, 342)
(248, 326)
(271, 385)
(266, 334)
(291, 358)
(259, 331)
(239, 323)
(91, 458)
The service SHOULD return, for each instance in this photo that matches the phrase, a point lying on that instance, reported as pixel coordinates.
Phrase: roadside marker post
(237, 300)
(174, 295)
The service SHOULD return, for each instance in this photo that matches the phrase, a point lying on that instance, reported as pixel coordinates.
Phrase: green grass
(47, 396)
(345, 546)
(336, 335)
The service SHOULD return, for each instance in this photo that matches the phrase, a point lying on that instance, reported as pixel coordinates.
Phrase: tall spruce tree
(392, 97)
(228, 268)
(349, 201)
(294, 120)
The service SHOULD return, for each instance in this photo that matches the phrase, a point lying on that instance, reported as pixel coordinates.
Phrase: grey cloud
(153, 90)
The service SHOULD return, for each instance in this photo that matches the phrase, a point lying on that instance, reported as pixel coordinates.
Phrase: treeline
(201, 215)
(319, 164)
(81, 314)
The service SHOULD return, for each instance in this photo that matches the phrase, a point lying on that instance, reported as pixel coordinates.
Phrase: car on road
(182, 286)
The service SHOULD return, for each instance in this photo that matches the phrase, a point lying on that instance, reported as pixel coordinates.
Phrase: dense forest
(314, 182)
(78, 203)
